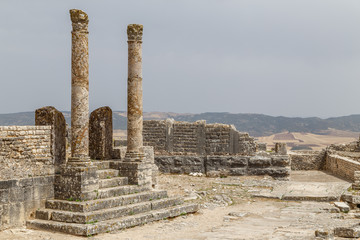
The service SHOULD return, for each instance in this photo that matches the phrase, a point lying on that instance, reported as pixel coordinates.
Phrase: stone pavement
(304, 186)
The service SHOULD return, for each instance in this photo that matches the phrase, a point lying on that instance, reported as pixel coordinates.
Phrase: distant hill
(255, 124)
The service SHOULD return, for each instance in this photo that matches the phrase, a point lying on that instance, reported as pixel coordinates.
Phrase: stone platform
(306, 186)
(118, 205)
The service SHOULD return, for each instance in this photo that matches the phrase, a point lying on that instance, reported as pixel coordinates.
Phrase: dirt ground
(229, 211)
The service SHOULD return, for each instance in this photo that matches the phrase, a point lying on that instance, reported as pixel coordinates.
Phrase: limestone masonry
(102, 186)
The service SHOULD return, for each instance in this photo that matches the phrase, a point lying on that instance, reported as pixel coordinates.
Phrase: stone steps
(113, 182)
(114, 224)
(99, 204)
(107, 173)
(119, 191)
(106, 214)
(116, 206)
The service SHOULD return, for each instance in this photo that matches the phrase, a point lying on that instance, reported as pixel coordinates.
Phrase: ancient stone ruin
(211, 149)
(111, 188)
(103, 187)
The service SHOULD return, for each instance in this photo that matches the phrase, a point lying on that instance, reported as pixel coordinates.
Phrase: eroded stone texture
(79, 85)
(101, 134)
(135, 105)
(280, 148)
(52, 117)
(78, 179)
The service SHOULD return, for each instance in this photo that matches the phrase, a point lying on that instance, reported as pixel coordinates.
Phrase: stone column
(78, 179)
(79, 86)
(135, 107)
(135, 166)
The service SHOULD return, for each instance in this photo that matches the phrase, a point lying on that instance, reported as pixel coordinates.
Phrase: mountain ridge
(255, 124)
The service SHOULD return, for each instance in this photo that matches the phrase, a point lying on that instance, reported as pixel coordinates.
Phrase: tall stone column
(79, 86)
(135, 166)
(135, 106)
(78, 179)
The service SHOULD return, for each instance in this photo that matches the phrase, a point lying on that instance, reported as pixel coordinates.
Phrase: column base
(78, 180)
(138, 173)
(134, 156)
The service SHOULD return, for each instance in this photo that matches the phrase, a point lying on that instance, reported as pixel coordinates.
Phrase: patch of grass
(92, 222)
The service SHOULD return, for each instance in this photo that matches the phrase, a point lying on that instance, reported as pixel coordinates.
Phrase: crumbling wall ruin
(26, 173)
(196, 138)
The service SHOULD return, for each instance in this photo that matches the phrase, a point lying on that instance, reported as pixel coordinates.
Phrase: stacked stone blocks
(196, 138)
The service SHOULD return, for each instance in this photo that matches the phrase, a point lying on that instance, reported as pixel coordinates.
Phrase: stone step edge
(130, 190)
(105, 173)
(93, 205)
(106, 214)
(114, 181)
(113, 224)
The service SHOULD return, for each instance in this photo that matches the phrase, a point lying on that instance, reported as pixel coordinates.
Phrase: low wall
(277, 166)
(341, 166)
(26, 173)
(307, 160)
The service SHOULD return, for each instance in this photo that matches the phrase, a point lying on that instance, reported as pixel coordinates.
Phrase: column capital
(79, 20)
(135, 32)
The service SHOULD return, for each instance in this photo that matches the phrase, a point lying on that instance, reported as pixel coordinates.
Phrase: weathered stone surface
(196, 138)
(54, 118)
(307, 160)
(344, 207)
(135, 105)
(280, 161)
(180, 164)
(138, 173)
(20, 197)
(347, 232)
(259, 162)
(25, 152)
(280, 148)
(79, 85)
(101, 134)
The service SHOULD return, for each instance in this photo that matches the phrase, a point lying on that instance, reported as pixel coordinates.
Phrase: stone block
(280, 148)
(50, 116)
(280, 161)
(137, 172)
(101, 134)
(347, 232)
(259, 162)
(344, 207)
(76, 182)
(238, 161)
(237, 171)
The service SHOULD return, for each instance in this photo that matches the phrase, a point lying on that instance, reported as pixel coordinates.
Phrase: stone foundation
(19, 198)
(277, 166)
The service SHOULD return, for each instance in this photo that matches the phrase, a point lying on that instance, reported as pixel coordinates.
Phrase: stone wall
(307, 160)
(26, 173)
(169, 137)
(25, 152)
(277, 166)
(341, 166)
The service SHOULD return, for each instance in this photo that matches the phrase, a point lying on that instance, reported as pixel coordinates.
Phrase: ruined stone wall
(26, 173)
(277, 166)
(169, 137)
(154, 134)
(218, 139)
(185, 137)
(307, 160)
(341, 166)
(25, 151)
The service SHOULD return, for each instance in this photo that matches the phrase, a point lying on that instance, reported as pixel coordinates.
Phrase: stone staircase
(118, 206)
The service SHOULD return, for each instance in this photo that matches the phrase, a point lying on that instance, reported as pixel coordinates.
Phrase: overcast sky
(276, 57)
